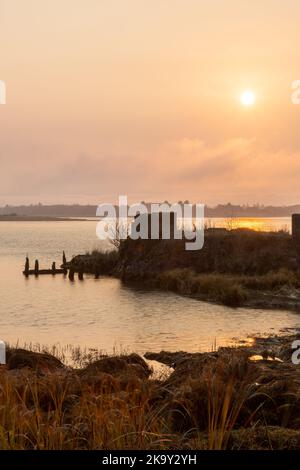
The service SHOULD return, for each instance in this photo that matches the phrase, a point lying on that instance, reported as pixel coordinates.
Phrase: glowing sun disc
(247, 98)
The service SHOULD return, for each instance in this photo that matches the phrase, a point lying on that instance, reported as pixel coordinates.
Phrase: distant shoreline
(89, 210)
(19, 218)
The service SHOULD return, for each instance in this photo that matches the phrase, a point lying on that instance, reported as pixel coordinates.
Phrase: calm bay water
(103, 313)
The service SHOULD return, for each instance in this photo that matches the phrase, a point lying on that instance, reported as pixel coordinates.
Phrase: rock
(171, 359)
(116, 366)
(20, 358)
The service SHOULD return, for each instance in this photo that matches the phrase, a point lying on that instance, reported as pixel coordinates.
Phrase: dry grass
(37, 416)
(230, 290)
(110, 403)
(79, 408)
(214, 287)
(61, 410)
(272, 280)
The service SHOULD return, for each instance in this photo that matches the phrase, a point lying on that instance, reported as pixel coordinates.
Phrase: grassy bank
(234, 268)
(210, 401)
(230, 290)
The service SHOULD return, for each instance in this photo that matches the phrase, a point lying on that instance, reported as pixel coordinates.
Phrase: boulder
(117, 366)
(43, 362)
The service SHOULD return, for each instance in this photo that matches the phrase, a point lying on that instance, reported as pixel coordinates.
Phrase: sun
(247, 98)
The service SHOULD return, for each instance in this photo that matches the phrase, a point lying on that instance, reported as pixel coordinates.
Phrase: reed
(216, 400)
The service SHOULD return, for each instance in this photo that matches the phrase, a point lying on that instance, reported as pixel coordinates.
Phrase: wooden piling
(64, 262)
(37, 271)
(36, 267)
(26, 268)
(296, 236)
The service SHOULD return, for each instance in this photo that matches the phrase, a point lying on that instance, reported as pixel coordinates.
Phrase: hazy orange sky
(141, 97)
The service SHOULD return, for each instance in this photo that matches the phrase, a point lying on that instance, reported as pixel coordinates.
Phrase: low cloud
(237, 170)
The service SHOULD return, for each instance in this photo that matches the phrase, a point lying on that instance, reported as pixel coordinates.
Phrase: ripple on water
(103, 313)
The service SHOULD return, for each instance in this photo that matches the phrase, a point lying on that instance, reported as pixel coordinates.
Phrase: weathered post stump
(36, 267)
(71, 275)
(296, 236)
(26, 269)
(296, 228)
(64, 262)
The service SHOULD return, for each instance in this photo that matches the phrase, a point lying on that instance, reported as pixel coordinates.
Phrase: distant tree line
(221, 210)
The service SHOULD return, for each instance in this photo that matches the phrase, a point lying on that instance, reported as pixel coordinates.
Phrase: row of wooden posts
(53, 270)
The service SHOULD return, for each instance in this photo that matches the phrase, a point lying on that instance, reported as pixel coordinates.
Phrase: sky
(142, 98)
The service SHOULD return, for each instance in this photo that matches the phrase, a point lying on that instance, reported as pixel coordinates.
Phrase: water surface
(103, 313)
